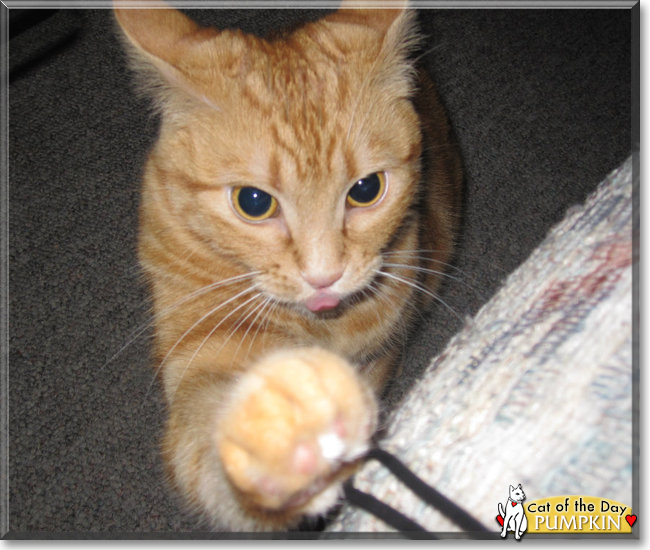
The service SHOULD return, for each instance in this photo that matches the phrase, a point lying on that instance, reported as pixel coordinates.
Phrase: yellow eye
(253, 204)
(367, 191)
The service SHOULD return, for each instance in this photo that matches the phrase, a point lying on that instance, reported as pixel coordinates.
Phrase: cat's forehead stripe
(274, 177)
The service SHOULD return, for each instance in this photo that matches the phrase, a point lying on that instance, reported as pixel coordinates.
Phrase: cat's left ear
(381, 16)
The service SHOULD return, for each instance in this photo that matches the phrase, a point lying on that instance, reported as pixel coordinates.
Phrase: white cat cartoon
(513, 518)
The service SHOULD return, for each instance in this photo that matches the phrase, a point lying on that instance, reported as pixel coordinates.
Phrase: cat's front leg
(281, 441)
(522, 525)
(517, 528)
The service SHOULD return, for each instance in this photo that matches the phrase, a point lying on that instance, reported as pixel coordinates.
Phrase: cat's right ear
(160, 41)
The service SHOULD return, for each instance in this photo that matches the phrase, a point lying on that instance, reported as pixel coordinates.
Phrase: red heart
(500, 520)
(631, 519)
(514, 504)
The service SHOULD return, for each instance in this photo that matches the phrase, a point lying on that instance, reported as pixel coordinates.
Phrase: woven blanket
(536, 389)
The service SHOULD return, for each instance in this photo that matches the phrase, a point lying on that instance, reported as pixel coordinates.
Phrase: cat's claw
(295, 421)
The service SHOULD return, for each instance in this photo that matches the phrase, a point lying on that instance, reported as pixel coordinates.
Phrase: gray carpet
(541, 103)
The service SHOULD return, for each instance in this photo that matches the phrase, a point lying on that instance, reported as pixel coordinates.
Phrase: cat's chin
(330, 313)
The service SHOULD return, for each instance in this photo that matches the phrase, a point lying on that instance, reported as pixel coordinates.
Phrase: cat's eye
(367, 191)
(253, 204)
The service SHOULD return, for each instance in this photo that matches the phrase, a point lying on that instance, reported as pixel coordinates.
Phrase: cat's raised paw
(293, 424)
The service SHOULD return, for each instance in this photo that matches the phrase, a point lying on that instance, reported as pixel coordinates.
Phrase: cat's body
(514, 515)
(289, 236)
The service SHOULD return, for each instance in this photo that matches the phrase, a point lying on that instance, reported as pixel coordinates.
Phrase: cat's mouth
(322, 300)
(324, 306)
(326, 303)
(329, 305)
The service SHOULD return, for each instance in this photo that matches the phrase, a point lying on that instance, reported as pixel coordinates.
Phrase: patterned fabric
(536, 389)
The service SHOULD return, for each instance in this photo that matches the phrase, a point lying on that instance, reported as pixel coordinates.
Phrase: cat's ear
(394, 24)
(379, 17)
(162, 42)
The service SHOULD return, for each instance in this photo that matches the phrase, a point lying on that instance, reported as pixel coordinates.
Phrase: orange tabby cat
(296, 212)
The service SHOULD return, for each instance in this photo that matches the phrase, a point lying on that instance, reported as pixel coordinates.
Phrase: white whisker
(209, 335)
(427, 52)
(268, 316)
(194, 325)
(419, 287)
(258, 308)
(419, 256)
(424, 255)
(271, 301)
(203, 290)
(433, 272)
(423, 270)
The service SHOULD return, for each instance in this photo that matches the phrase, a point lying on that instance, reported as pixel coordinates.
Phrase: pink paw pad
(305, 460)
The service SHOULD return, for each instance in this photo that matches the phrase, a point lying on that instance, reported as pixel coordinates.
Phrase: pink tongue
(322, 301)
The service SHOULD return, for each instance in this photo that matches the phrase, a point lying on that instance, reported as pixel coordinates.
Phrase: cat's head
(296, 157)
(517, 493)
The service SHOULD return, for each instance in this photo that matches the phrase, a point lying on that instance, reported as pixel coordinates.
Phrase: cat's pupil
(367, 191)
(253, 203)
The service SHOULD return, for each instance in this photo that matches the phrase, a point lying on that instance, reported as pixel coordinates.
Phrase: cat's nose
(322, 280)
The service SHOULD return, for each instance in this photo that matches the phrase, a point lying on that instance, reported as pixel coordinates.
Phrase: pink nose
(322, 280)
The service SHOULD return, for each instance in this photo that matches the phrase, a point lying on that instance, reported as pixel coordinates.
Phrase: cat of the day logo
(513, 517)
(562, 514)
